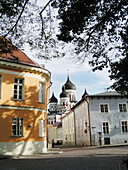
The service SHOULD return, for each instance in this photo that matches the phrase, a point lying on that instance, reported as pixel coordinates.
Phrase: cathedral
(67, 101)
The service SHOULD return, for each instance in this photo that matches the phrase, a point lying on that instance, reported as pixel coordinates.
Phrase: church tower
(67, 101)
(68, 95)
(53, 104)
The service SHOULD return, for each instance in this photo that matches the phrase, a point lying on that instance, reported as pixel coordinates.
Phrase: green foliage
(92, 30)
(99, 31)
(10, 8)
(119, 73)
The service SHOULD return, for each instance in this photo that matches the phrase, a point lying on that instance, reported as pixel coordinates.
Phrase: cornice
(24, 67)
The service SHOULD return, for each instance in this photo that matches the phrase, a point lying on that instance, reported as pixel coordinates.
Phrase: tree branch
(42, 17)
(17, 19)
(45, 6)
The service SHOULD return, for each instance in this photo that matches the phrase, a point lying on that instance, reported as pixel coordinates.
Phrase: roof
(10, 53)
(103, 94)
(64, 94)
(107, 93)
(69, 85)
(53, 99)
(67, 114)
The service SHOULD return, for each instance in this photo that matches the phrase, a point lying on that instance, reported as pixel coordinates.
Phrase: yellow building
(24, 90)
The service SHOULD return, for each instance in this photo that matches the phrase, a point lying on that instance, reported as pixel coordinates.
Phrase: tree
(94, 26)
(92, 30)
(27, 21)
(119, 69)
(119, 73)
(99, 30)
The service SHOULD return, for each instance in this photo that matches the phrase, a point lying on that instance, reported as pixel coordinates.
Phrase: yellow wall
(31, 110)
(31, 86)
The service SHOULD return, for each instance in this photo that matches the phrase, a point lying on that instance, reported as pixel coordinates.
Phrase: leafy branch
(14, 26)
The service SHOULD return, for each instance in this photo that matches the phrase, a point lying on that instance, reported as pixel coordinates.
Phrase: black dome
(64, 94)
(53, 99)
(69, 85)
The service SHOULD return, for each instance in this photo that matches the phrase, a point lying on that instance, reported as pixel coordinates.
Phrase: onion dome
(53, 99)
(69, 85)
(64, 93)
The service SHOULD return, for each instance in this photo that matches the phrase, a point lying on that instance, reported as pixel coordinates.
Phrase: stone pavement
(58, 150)
(72, 158)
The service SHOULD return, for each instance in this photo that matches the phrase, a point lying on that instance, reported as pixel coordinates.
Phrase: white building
(68, 129)
(108, 118)
(76, 129)
(99, 119)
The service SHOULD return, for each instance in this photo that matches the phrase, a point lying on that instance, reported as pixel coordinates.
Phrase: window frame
(105, 127)
(19, 129)
(42, 92)
(122, 107)
(104, 104)
(18, 89)
(126, 121)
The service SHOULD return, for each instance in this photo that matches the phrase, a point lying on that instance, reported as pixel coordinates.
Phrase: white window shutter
(41, 128)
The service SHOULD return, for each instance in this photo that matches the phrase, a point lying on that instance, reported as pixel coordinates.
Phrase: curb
(40, 155)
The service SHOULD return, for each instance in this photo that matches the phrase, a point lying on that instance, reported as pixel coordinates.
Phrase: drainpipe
(89, 120)
(74, 125)
(46, 138)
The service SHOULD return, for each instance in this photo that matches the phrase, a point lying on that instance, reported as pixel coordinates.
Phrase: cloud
(80, 74)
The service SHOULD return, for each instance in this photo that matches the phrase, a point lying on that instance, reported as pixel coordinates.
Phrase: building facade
(76, 123)
(100, 119)
(67, 101)
(108, 118)
(57, 110)
(24, 90)
(68, 128)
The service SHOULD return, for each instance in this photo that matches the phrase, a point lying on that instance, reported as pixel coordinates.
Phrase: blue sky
(82, 77)
(80, 74)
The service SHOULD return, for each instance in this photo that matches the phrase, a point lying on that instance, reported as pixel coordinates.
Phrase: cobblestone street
(80, 158)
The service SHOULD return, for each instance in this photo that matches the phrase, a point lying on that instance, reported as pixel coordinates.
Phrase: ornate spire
(85, 93)
(67, 73)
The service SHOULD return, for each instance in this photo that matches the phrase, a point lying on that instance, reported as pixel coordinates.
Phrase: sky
(80, 75)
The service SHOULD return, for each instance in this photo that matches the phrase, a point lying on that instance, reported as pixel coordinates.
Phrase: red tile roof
(9, 52)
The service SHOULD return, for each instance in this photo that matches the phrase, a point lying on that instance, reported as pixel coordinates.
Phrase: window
(41, 128)
(73, 98)
(104, 108)
(122, 108)
(18, 89)
(42, 92)
(0, 86)
(17, 126)
(70, 97)
(124, 126)
(105, 127)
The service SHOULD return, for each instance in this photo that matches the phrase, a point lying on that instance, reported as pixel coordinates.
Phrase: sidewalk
(36, 155)
(58, 150)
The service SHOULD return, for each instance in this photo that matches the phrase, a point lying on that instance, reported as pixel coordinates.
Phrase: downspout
(89, 120)
(74, 125)
(46, 133)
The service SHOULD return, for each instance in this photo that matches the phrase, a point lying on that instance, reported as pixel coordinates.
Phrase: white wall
(114, 117)
(82, 124)
(23, 148)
